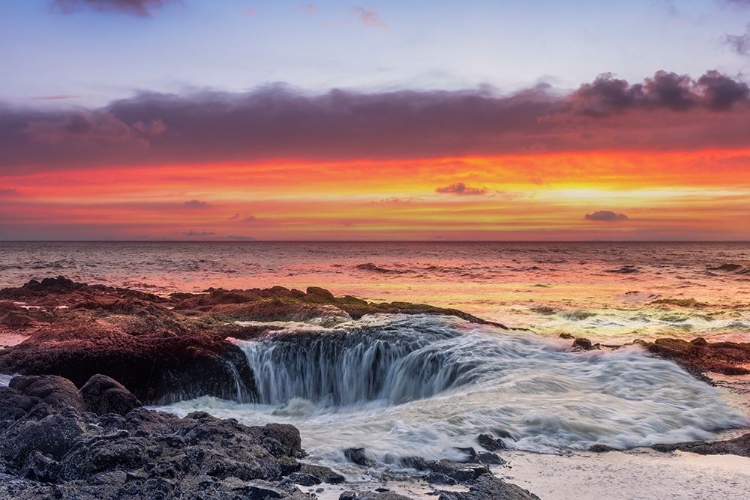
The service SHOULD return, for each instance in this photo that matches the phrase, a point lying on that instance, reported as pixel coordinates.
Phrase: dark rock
(143, 454)
(57, 392)
(738, 446)
(317, 294)
(17, 320)
(700, 356)
(102, 394)
(53, 435)
(488, 458)
(489, 487)
(490, 443)
(437, 478)
(567, 336)
(581, 344)
(601, 448)
(358, 456)
(325, 474)
(304, 479)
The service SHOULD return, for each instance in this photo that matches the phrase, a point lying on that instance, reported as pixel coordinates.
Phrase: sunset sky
(403, 120)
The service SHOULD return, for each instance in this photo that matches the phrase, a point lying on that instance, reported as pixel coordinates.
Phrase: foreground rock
(52, 448)
(162, 349)
(738, 446)
(96, 442)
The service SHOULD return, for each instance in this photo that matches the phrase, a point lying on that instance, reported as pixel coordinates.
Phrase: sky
(385, 120)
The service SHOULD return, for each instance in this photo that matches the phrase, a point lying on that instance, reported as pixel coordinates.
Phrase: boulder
(102, 394)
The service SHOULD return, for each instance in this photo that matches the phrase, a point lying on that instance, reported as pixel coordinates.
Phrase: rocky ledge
(97, 442)
(162, 348)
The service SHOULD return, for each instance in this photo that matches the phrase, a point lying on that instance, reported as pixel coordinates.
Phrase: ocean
(422, 385)
(609, 292)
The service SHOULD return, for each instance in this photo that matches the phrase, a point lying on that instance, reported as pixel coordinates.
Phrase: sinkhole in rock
(352, 367)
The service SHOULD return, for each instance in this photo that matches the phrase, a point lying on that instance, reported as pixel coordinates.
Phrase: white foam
(546, 398)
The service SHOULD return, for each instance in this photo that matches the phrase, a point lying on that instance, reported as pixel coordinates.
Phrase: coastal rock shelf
(163, 349)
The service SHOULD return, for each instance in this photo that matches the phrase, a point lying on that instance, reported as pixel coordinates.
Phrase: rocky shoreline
(73, 426)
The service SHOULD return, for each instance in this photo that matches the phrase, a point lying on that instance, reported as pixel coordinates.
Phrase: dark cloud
(140, 8)
(8, 192)
(91, 127)
(199, 234)
(720, 92)
(608, 95)
(461, 189)
(250, 218)
(196, 205)
(369, 18)
(606, 216)
(667, 111)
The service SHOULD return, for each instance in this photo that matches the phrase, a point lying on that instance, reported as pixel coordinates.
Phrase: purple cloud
(739, 43)
(277, 122)
(139, 8)
(369, 18)
(196, 205)
(460, 188)
(606, 216)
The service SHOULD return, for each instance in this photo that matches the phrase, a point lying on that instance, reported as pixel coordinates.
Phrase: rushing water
(402, 386)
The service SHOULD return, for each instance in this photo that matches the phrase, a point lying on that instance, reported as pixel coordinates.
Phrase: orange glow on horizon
(675, 195)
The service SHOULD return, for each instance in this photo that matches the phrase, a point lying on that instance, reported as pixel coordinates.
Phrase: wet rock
(358, 456)
(738, 446)
(489, 487)
(567, 336)
(601, 448)
(441, 479)
(374, 495)
(304, 479)
(490, 443)
(142, 454)
(102, 394)
(581, 344)
(325, 474)
(57, 392)
(699, 356)
(53, 435)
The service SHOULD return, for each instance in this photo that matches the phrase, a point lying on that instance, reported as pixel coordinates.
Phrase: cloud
(250, 218)
(196, 205)
(139, 8)
(8, 192)
(665, 112)
(608, 95)
(606, 216)
(240, 238)
(199, 234)
(60, 97)
(739, 43)
(307, 8)
(87, 127)
(250, 11)
(460, 188)
(369, 18)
